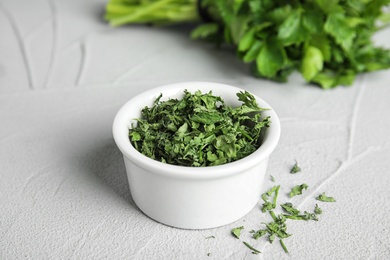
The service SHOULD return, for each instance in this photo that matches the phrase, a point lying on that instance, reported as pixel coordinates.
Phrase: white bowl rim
(186, 172)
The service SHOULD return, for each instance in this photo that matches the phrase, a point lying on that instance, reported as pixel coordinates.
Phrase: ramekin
(193, 197)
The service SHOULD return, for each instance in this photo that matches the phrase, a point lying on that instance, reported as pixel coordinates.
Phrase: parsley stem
(283, 246)
(255, 251)
(276, 195)
(273, 215)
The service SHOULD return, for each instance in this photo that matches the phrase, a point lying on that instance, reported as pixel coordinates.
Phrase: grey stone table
(63, 188)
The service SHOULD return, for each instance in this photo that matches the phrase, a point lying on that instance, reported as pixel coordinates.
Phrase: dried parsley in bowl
(199, 129)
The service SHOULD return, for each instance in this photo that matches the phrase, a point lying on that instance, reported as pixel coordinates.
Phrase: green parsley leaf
(237, 231)
(330, 6)
(324, 198)
(291, 31)
(247, 40)
(295, 168)
(317, 210)
(272, 237)
(297, 190)
(274, 229)
(259, 233)
(254, 250)
(337, 26)
(312, 63)
(305, 216)
(272, 190)
(271, 58)
(267, 205)
(312, 21)
(252, 52)
(289, 208)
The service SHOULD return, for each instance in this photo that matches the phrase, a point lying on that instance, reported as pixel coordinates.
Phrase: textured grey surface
(63, 190)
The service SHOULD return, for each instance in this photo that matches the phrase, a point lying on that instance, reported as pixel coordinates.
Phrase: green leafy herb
(210, 237)
(297, 190)
(324, 198)
(317, 210)
(329, 42)
(277, 228)
(305, 216)
(254, 250)
(293, 213)
(272, 190)
(267, 205)
(295, 168)
(289, 208)
(237, 231)
(274, 229)
(272, 178)
(259, 233)
(199, 129)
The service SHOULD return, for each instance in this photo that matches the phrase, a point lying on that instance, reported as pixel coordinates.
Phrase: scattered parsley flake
(305, 216)
(313, 216)
(289, 208)
(254, 250)
(210, 237)
(271, 238)
(297, 190)
(264, 197)
(272, 190)
(324, 198)
(237, 231)
(293, 213)
(277, 229)
(272, 178)
(283, 246)
(295, 168)
(317, 210)
(259, 233)
(267, 205)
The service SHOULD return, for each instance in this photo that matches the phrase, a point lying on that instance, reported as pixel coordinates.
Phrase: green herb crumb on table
(254, 250)
(199, 129)
(295, 168)
(237, 231)
(277, 228)
(324, 198)
(328, 41)
(297, 190)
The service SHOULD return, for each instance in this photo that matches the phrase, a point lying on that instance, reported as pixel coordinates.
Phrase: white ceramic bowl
(193, 197)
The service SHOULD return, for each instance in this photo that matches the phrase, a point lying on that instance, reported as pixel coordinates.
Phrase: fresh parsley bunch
(327, 41)
(199, 129)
